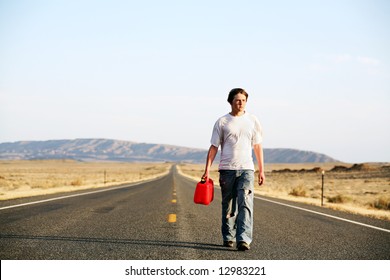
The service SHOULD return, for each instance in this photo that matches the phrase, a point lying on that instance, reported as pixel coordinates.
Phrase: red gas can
(204, 192)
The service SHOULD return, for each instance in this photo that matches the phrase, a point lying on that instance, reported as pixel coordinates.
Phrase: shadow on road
(164, 243)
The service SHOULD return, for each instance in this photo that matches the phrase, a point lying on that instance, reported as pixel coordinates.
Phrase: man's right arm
(209, 161)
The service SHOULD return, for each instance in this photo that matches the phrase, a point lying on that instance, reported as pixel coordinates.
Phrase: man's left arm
(258, 149)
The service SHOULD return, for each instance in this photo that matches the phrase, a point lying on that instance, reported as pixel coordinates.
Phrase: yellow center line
(172, 218)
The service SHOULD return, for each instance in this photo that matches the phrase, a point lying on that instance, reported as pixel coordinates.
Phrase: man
(236, 133)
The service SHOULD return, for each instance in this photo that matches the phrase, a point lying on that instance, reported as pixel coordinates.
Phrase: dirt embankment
(358, 167)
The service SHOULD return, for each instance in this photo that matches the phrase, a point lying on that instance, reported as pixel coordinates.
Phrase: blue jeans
(237, 204)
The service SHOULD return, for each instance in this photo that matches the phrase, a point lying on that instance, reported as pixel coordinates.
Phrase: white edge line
(323, 214)
(314, 212)
(74, 195)
(311, 211)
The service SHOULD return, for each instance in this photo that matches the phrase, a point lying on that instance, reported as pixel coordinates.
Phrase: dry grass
(29, 178)
(360, 189)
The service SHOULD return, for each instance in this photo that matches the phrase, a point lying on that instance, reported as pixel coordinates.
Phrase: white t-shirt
(236, 135)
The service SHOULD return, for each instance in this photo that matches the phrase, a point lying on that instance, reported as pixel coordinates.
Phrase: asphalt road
(158, 220)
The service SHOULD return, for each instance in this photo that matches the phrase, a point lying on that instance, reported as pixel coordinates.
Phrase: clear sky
(317, 72)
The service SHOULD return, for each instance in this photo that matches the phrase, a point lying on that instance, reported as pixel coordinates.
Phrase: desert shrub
(338, 199)
(76, 182)
(298, 191)
(382, 203)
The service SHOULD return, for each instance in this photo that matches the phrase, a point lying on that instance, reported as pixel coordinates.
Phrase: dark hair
(234, 92)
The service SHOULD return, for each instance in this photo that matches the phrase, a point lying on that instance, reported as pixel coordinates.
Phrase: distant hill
(294, 156)
(116, 150)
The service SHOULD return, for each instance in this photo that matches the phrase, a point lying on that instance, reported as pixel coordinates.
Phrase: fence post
(322, 188)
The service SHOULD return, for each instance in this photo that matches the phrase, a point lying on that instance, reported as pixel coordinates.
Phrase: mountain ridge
(100, 149)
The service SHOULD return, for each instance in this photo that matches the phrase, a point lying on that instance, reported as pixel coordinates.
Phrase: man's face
(238, 104)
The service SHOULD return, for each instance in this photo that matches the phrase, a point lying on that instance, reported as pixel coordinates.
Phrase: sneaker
(243, 246)
(228, 244)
